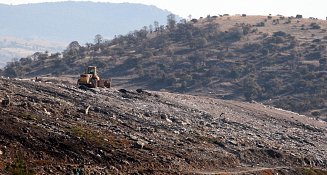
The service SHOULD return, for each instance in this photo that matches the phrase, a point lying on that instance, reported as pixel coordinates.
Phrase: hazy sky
(197, 8)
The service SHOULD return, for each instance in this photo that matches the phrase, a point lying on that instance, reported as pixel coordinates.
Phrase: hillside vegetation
(271, 59)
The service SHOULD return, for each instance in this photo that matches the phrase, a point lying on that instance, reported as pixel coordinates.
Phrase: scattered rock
(123, 91)
(143, 92)
(114, 169)
(260, 145)
(46, 112)
(233, 142)
(163, 116)
(168, 120)
(87, 110)
(6, 101)
(221, 144)
(140, 144)
(273, 153)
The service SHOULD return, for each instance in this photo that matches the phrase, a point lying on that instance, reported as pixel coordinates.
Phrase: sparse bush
(198, 43)
(313, 56)
(233, 35)
(260, 24)
(251, 47)
(316, 41)
(246, 29)
(279, 33)
(289, 21)
(147, 54)
(315, 26)
(235, 73)
(194, 20)
(315, 113)
(251, 89)
(275, 21)
(265, 51)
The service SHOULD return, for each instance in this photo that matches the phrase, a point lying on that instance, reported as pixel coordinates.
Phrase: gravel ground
(56, 128)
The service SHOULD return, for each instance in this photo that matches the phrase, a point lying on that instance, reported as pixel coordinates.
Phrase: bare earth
(56, 128)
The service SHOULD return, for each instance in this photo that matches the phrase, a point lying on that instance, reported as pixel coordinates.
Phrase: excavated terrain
(55, 128)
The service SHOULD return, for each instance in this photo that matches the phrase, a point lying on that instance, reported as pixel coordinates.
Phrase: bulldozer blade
(104, 84)
(101, 84)
(107, 84)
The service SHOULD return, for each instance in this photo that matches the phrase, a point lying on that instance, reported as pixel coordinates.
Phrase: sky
(202, 8)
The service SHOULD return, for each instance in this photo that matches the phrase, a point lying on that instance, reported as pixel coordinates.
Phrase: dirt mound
(49, 128)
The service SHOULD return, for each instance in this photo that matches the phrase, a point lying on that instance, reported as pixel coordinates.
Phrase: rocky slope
(56, 128)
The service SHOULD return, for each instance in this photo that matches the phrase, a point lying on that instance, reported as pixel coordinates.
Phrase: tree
(10, 71)
(199, 43)
(150, 28)
(88, 45)
(156, 26)
(315, 26)
(234, 34)
(251, 89)
(190, 17)
(72, 49)
(98, 39)
(171, 21)
(74, 46)
(141, 34)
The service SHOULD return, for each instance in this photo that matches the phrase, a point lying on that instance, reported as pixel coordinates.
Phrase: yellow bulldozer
(92, 80)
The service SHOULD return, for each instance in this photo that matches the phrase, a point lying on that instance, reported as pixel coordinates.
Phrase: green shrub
(19, 167)
(312, 171)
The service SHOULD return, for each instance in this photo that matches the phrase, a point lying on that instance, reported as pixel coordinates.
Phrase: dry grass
(293, 28)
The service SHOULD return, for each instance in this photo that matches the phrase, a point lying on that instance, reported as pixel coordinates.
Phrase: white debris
(46, 112)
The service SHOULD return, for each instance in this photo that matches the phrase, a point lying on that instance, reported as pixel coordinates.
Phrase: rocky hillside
(55, 128)
(275, 60)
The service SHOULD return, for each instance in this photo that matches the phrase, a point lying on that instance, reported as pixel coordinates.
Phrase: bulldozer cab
(91, 70)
